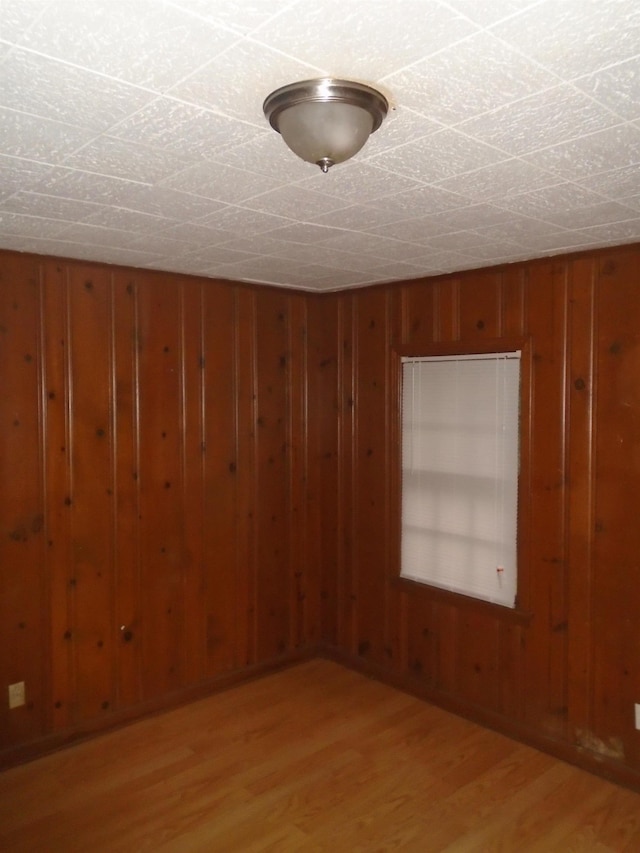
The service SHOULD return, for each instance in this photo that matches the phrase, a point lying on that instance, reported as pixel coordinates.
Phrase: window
(460, 459)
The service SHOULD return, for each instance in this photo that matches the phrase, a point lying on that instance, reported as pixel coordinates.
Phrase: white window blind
(460, 452)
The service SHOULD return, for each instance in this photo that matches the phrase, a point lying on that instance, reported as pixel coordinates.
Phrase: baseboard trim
(49, 743)
(602, 766)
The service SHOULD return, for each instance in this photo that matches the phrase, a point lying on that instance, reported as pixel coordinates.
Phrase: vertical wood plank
(371, 464)
(324, 426)
(57, 477)
(580, 460)
(220, 476)
(161, 487)
(616, 535)
(546, 643)
(245, 373)
(194, 364)
(274, 588)
(91, 497)
(480, 306)
(23, 589)
(125, 426)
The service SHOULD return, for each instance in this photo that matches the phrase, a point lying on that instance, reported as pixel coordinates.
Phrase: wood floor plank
(317, 759)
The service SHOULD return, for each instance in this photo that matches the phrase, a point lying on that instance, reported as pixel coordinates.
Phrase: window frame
(519, 612)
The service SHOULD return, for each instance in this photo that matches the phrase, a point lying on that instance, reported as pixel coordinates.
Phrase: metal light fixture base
(325, 121)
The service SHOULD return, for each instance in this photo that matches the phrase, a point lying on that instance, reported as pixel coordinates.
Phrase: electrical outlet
(637, 715)
(16, 694)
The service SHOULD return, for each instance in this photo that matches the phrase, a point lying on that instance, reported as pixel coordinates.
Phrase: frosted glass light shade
(325, 121)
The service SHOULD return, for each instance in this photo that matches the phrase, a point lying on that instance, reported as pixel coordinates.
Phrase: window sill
(509, 614)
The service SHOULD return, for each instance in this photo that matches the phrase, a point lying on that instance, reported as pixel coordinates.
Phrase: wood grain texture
(314, 758)
(568, 672)
(153, 495)
(199, 477)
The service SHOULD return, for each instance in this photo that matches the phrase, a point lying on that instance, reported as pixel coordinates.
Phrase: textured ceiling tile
(360, 217)
(598, 214)
(129, 220)
(492, 250)
(633, 202)
(30, 226)
(51, 207)
(241, 15)
(337, 36)
(618, 88)
(17, 174)
(304, 232)
(558, 197)
(499, 180)
(540, 121)
(401, 125)
(419, 230)
(140, 41)
(614, 232)
(361, 182)
(121, 159)
(184, 130)
(96, 235)
(574, 37)
(439, 156)
(86, 186)
(488, 12)
(237, 83)
(221, 183)
(189, 162)
(53, 90)
(164, 201)
(422, 201)
(457, 240)
(263, 245)
(39, 139)
(234, 219)
(517, 230)
(266, 154)
(448, 88)
(161, 244)
(374, 244)
(468, 217)
(615, 148)
(295, 203)
(85, 251)
(616, 184)
(16, 16)
(558, 242)
(193, 233)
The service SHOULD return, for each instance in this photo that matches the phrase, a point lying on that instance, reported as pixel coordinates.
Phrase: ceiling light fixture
(325, 121)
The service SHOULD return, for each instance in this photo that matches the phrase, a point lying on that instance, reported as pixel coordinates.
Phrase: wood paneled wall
(200, 477)
(564, 669)
(154, 514)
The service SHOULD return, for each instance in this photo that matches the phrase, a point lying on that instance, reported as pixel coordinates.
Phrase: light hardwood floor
(312, 758)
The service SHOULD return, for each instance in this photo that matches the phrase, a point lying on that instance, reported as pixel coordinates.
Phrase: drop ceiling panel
(132, 132)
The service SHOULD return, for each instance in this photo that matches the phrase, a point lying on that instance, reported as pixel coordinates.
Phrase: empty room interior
(320, 425)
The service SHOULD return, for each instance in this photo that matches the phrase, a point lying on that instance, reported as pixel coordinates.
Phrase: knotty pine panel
(269, 407)
(372, 467)
(325, 418)
(152, 425)
(160, 475)
(616, 531)
(545, 594)
(468, 651)
(126, 462)
(22, 519)
(89, 502)
(564, 668)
